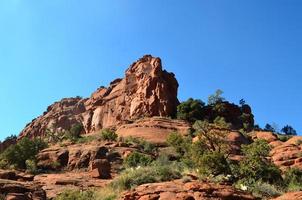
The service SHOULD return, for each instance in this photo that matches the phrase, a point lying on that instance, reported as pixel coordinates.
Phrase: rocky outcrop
(21, 190)
(185, 191)
(154, 130)
(146, 90)
(288, 154)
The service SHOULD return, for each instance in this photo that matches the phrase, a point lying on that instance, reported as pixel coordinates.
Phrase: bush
(76, 195)
(293, 179)
(109, 135)
(265, 190)
(190, 110)
(255, 167)
(212, 163)
(76, 130)
(137, 159)
(143, 145)
(31, 166)
(180, 143)
(131, 178)
(25, 149)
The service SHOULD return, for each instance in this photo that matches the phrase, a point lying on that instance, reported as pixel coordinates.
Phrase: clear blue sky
(250, 49)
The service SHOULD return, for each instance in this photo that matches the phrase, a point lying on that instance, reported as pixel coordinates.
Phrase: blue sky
(250, 49)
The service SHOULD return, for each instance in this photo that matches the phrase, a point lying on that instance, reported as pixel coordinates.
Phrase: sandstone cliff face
(146, 90)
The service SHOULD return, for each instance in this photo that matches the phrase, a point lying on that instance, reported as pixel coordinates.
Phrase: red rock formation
(184, 191)
(147, 90)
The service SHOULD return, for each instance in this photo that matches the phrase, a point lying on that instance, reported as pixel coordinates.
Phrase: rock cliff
(146, 90)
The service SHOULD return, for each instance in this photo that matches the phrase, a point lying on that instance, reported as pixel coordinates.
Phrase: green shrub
(142, 144)
(25, 149)
(76, 130)
(109, 135)
(190, 110)
(265, 190)
(255, 167)
(180, 143)
(131, 178)
(77, 195)
(293, 179)
(137, 159)
(212, 163)
(31, 166)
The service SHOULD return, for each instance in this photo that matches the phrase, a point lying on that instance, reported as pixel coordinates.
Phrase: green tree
(288, 130)
(25, 149)
(190, 110)
(255, 166)
(216, 98)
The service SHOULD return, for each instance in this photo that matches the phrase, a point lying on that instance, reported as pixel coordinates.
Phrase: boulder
(100, 168)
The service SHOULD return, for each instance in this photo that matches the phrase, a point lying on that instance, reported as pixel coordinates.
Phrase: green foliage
(283, 138)
(180, 143)
(220, 121)
(137, 159)
(109, 135)
(293, 179)
(216, 98)
(31, 166)
(212, 163)
(142, 145)
(76, 195)
(212, 136)
(265, 190)
(25, 149)
(76, 130)
(131, 178)
(289, 130)
(190, 110)
(255, 167)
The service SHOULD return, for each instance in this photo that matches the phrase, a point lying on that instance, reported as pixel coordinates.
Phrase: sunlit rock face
(146, 90)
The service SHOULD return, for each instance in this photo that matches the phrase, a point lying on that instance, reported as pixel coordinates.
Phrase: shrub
(212, 163)
(137, 159)
(255, 167)
(143, 145)
(76, 130)
(293, 179)
(31, 166)
(131, 178)
(109, 135)
(180, 143)
(264, 190)
(25, 149)
(76, 195)
(190, 110)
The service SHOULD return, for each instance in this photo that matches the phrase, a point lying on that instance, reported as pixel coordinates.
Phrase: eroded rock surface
(146, 90)
(185, 191)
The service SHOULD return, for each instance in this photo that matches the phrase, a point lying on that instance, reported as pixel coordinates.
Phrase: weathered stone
(146, 90)
(100, 168)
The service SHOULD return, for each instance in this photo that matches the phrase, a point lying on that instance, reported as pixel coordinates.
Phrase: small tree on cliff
(190, 110)
(216, 98)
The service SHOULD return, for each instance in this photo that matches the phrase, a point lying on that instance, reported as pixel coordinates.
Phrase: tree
(242, 102)
(269, 127)
(216, 98)
(255, 166)
(213, 136)
(190, 110)
(289, 130)
(25, 149)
